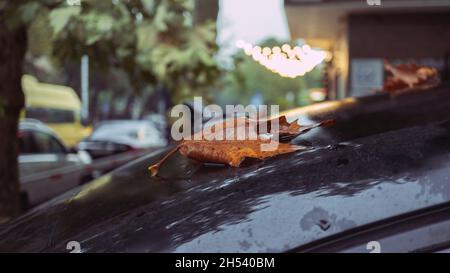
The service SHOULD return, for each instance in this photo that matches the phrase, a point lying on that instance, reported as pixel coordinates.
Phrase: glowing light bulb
(286, 61)
(276, 50)
(286, 48)
(266, 51)
(291, 55)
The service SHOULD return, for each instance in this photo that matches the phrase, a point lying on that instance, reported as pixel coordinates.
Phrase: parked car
(118, 136)
(387, 191)
(340, 198)
(46, 167)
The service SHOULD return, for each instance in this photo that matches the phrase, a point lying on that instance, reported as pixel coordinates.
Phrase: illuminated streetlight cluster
(286, 61)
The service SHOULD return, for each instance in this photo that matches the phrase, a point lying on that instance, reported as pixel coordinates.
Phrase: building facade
(361, 34)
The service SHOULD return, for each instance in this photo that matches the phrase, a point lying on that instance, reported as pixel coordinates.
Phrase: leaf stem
(155, 168)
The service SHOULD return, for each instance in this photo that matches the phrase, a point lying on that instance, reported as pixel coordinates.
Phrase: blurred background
(145, 80)
(100, 77)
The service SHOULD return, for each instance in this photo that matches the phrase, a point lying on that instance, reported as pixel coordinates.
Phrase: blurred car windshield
(48, 115)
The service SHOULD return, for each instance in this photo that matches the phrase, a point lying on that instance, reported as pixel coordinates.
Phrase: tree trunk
(13, 45)
(112, 106)
(128, 112)
(93, 107)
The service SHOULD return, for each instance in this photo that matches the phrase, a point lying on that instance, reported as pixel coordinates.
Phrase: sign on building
(366, 75)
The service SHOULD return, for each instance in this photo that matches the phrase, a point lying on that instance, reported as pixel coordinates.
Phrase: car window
(27, 144)
(48, 144)
(48, 115)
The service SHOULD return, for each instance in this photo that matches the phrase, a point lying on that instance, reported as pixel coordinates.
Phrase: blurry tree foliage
(154, 41)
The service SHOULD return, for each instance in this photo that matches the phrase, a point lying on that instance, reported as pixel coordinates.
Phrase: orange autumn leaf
(233, 152)
(408, 76)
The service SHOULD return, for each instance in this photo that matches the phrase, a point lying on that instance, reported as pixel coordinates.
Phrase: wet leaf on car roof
(203, 147)
(405, 77)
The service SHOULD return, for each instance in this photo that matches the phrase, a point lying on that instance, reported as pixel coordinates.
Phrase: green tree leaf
(59, 17)
(28, 11)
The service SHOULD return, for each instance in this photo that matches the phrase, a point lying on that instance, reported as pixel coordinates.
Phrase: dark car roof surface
(374, 114)
(269, 206)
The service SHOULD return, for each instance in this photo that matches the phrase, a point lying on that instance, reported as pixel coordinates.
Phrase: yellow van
(57, 106)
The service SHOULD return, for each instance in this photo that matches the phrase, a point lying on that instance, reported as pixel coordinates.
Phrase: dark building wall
(423, 38)
(404, 35)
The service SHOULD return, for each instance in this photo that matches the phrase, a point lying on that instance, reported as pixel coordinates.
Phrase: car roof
(268, 206)
(362, 169)
(120, 128)
(38, 94)
(127, 121)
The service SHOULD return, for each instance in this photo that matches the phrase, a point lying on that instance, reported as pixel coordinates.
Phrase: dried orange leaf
(233, 152)
(409, 76)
